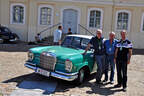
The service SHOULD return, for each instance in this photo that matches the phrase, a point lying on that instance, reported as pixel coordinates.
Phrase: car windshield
(75, 42)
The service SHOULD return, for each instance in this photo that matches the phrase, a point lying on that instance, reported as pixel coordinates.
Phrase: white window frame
(129, 19)
(11, 13)
(88, 19)
(39, 13)
(142, 23)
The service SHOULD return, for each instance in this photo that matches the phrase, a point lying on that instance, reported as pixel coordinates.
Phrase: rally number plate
(43, 72)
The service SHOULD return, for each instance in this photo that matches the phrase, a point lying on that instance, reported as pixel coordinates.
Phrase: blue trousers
(109, 62)
(100, 60)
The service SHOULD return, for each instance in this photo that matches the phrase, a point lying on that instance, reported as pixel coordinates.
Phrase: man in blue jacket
(110, 46)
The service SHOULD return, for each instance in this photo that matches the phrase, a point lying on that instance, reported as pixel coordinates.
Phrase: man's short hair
(124, 31)
(99, 30)
(59, 27)
(112, 33)
(69, 29)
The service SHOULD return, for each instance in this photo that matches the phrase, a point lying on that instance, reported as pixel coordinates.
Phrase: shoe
(111, 82)
(104, 81)
(98, 82)
(124, 89)
(117, 86)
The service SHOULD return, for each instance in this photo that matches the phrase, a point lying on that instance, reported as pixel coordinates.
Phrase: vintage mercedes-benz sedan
(65, 62)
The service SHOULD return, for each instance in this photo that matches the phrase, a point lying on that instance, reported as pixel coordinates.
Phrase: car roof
(82, 36)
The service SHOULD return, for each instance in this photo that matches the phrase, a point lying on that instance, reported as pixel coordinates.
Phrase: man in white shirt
(57, 36)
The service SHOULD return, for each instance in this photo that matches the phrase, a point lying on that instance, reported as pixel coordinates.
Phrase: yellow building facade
(29, 17)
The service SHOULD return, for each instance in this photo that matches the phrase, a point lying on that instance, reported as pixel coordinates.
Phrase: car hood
(62, 53)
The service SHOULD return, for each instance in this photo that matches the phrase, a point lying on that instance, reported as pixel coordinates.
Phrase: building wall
(31, 27)
(4, 14)
(0, 11)
(130, 1)
(134, 34)
(20, 29)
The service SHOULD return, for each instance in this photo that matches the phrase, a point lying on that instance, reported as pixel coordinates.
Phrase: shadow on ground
(33, 83)
(64, 86)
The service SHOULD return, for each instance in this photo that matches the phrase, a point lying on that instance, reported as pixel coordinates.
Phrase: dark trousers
(56, 43)
(100, 61)
(122, 72)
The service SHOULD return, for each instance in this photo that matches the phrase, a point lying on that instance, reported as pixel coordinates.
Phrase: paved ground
(13, 74)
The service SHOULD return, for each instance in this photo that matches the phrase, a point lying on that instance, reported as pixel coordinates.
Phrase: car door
(89, 56)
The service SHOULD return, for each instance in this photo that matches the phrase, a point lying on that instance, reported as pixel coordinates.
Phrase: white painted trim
(87, 1)
(142, 23)
(74, 8)
(129, 4)
(88, 17)
(11, 11)
(52, 14)
(103, 2)
(129, 19)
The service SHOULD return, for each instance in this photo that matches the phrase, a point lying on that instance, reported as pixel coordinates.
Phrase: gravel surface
(13, 72)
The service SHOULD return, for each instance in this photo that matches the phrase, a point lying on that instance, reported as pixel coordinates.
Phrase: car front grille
(47, 61)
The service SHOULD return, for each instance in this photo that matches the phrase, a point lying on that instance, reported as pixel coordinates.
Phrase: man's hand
(59, 42)
(88, 46)
(129, 56)
(115, 55)
(115, 60)
(128, 62)
(84, 53)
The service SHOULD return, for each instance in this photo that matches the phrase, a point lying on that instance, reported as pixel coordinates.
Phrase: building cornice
(122, 3)
(129, 4)
(87, 1)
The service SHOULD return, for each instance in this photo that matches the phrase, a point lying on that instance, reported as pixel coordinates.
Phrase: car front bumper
(14, 40)
(56, 74)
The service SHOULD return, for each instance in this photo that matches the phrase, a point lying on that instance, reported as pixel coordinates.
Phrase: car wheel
(1, 41)
(81, 77)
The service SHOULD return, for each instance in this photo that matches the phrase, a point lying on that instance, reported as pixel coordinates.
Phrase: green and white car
(64, 62)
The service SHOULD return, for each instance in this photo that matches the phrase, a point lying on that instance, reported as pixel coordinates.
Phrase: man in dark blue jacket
(99, 53)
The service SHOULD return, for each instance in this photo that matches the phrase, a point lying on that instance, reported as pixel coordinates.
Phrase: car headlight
(68, 65)
(30, 56)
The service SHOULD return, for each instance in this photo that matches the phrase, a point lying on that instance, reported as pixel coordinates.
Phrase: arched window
(142, 23)
(45, 15)
(95, 18)
(123, 20)
(17, 13)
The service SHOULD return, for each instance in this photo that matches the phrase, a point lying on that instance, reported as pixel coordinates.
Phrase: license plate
(43, 72)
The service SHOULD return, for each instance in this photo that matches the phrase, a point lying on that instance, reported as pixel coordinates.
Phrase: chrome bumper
(13, 40)
(56, 74)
